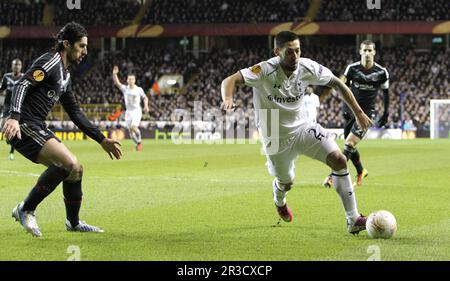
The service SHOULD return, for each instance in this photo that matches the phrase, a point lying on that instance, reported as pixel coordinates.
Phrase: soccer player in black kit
(44, 84)
(9, 80)
(364, 77)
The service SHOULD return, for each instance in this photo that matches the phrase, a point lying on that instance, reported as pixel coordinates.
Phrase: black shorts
(34, 136)
(351, 126)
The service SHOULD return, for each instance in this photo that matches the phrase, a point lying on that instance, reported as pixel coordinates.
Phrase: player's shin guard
(356, 160)
(343, 186)
(72, 199)
(348, 151)
(45, 185)
(138, 136)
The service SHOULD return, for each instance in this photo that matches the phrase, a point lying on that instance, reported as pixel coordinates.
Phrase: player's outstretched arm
(227, 90)
(115, 77)
(362, 119)
(146, 109)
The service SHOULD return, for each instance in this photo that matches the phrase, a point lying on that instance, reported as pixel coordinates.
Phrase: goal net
(439, 119)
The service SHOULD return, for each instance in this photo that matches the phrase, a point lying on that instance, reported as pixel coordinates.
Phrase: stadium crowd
(415, 78)
(97, 12)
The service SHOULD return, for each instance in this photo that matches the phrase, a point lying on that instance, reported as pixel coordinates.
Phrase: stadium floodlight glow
(171, 82)
(439, 118)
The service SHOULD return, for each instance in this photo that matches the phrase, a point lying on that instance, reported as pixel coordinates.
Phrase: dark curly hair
(72, 32)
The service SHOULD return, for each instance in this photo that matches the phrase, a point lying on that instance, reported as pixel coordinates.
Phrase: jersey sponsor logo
(38, 75)
(51, 94)
(256, 69)
(284, 99)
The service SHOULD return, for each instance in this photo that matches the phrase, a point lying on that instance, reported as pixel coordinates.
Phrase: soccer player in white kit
(278, 87)
(310, 105)
(133, 114)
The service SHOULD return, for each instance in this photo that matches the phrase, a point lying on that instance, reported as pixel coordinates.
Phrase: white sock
(138, 136)
(133, 137)
(343, 185)
(279, 196)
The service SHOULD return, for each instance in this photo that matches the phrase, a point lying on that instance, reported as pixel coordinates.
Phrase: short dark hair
(72, 32)
(368, 42)
(285, 36)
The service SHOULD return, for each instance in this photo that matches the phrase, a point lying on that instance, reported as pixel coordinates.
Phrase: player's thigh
(352, 139)
(282, 165)
(356, 133)
(56, 153)
(136, 119)
(316, 143)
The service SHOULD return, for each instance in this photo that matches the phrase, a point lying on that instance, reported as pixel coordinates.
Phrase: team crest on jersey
(51, 94)
(255, 69)
(38, 75)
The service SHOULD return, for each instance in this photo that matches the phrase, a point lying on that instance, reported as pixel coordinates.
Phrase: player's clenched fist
(115, 69)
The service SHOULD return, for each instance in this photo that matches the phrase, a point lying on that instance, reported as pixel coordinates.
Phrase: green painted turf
(213, 202)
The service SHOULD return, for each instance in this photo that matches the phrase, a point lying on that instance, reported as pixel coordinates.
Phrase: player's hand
(115, 69)
(11, 129)
(383, 120)
(112, 147)
(364, 121)
(146, 109)
(228, 105)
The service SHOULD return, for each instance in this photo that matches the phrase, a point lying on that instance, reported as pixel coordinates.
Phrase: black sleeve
(3, 84)
(386, 100)
(72, 107)
(41, 70)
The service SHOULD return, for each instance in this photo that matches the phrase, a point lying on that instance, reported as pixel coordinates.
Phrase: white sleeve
(142, 93)
(316, 100)
(254, 75)
(123, 88)
(320, 75)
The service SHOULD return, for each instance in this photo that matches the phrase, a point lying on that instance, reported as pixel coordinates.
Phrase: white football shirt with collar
(311, 104)
(132, 97)
(273, 90)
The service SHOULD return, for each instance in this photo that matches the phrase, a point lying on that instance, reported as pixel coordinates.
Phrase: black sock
(72, 199)
(357, 161)
(12, 150)
(348, 151)
(45, 185)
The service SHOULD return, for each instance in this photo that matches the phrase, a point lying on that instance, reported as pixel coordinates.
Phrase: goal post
(440, 118)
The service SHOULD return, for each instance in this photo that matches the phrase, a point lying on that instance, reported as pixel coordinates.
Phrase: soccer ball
(381, 224)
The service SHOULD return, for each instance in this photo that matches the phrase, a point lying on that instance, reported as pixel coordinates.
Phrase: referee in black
(44, 84)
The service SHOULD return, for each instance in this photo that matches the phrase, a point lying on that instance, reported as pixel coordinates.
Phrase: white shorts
(133, 118)
(311, 140)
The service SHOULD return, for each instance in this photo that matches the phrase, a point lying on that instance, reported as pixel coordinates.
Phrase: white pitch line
(19, 174)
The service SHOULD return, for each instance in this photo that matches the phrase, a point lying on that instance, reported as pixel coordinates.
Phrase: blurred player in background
(44, 84)
(311, 105)
(365, 77)
(9, 80)
(133, 114)
(278, 86)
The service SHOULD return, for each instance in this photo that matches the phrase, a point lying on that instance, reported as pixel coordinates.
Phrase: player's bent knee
(76, 172)
(337, 161)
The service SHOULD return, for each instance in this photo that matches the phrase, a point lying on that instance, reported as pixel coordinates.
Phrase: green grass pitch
(214, 202)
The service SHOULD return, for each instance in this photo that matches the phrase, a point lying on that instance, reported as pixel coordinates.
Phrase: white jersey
(273, 90)
(132, 97)
(310, 106)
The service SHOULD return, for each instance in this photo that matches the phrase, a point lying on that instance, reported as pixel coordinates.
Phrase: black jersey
(41, 87)
(7, 84)
(365, 83)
